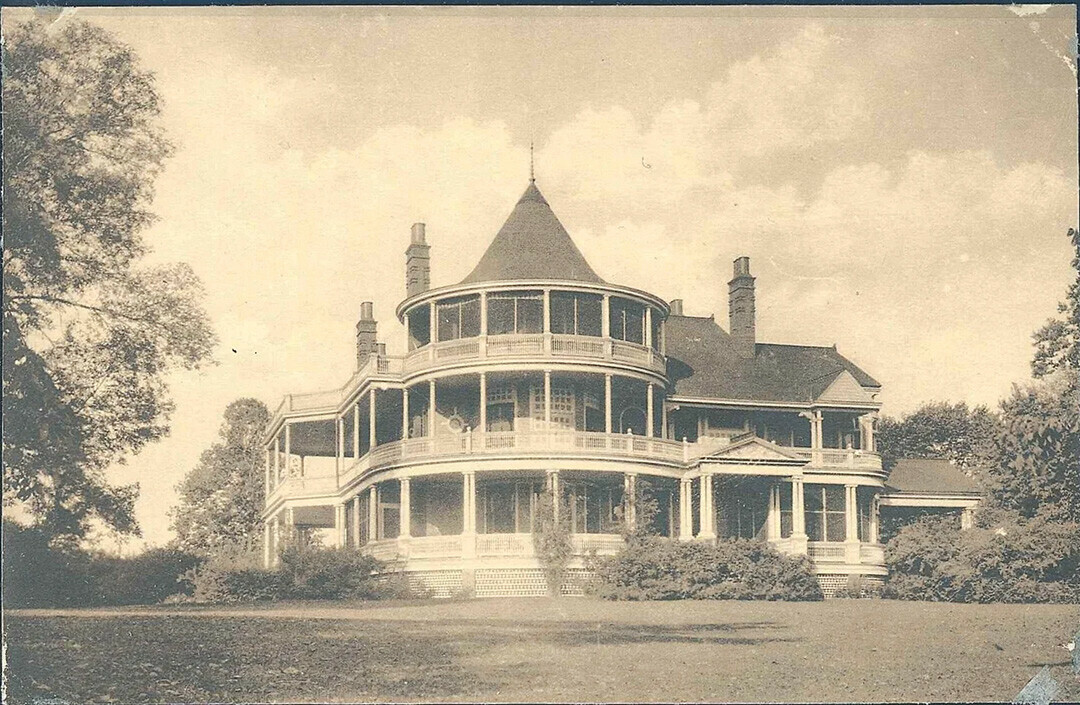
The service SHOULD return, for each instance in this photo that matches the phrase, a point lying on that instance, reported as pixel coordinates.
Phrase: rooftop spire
(532, 165)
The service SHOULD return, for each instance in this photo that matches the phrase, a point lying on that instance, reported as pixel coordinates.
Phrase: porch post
(553, 483)
(685, 507)
(356, 521)
(288, 450)
(431, 407)
(405, 531)
(663, 419)
(648, 327)
(468, 514)
(607, 399)
(772, 522)
(277, 459)
(630, 494)
(340, 425)
(373, 513)
(547, 399)
(708, 516)
(816, 440)
(404, 412)
(649, 410)
(851, 529)
(482, 345)
(339, 525)
(547, 321)
(483, 403)
(371, 421)
(605, 320)
(798, 516)
(266, 475)
(875, 519)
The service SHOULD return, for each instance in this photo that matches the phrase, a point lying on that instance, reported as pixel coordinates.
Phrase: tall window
(515, 312)
(627, 321)
(500, 408)
(595, 509)
(825, 513)
(506, 507)
(459, 318)
(576, 314)
(743, 508)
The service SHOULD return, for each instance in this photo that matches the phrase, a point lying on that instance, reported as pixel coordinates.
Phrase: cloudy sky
(902, 178)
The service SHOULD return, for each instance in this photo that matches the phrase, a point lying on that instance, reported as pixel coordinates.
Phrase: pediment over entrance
(755, 450)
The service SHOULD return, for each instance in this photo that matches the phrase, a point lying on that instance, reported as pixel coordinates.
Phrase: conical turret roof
(532, 244)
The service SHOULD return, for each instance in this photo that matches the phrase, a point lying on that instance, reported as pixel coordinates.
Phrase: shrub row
(654, 568)
(37, 574)
(1006, 558)
(303, 573)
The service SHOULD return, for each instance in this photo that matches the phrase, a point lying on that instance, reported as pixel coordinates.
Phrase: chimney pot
(418, 234)
(366, 334)
(367, 311)
(676, 307)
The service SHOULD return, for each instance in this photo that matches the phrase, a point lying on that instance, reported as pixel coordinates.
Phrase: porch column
(339, 525)
(277, 459)
(816, 441)
(468, 514)
(547, 321)
(553, 484)
(607, 399)
(605, 320)
(288, 450)
(630, 495)
(267, 538)
(798, 516)
(686, 520)
(431, 407)
(406, 512)
(663, 420)
(875, 519)
(482, 346)
(340, 444)
(433, 329)
(868, 432)
(290, 524)
(404, 412)
(773, 520)
(373, 514)
(356, 430)
(266, 474)
(648, 327)
(547, 399)
(851, 528)
(356, 521)
(371, 420)
(649, 409)
(708, 516)
(483, 403)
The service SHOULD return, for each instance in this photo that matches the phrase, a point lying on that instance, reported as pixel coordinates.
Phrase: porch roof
(929, 476)
(703, 363)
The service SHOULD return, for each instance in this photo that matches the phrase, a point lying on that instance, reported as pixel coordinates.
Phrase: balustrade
(533, 345)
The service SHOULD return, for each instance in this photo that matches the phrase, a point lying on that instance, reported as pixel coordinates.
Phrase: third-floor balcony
(525, 346)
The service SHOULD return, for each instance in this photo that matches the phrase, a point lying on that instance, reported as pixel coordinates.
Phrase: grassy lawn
(539, 650)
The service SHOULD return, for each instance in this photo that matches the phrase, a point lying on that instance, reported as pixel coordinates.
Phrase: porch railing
(533, 345)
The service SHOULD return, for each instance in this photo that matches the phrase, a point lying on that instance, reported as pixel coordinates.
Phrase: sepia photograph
(548, 354)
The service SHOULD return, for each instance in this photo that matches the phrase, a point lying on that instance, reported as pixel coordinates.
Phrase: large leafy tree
(90, 331)
(1039, 470)
(1057, 344)
(955, 432)
(220, 499)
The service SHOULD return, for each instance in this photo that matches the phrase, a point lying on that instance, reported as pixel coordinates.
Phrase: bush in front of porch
(656, 568)
(1005, 558)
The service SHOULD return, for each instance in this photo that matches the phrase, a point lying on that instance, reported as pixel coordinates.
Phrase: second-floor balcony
(533, 345)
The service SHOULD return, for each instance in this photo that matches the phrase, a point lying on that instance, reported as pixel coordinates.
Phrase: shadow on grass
(171, 658)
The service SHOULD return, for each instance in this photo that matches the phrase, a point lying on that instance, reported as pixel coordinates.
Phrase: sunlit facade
(534, 373)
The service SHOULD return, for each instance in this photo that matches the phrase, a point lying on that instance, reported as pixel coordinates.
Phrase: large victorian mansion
(535, 373)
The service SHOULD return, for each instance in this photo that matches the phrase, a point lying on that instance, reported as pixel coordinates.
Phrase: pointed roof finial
(532, 165)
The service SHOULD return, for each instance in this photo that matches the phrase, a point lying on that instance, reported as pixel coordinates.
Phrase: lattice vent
(437, 583)
(869, 585)
(508, 582)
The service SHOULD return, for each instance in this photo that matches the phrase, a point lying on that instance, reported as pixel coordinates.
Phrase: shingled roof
(927, 476)
(703, 363)
(532, 244)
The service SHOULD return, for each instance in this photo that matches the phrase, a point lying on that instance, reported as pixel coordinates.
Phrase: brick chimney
(741, 308)
(417, 263)
(366, 334)
(676, 307)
